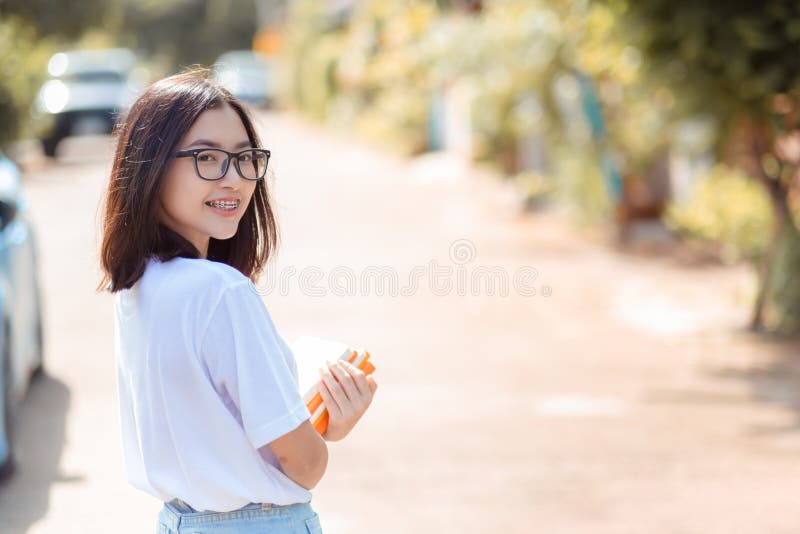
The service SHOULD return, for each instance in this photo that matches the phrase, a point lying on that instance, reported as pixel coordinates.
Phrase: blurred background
(608, 190)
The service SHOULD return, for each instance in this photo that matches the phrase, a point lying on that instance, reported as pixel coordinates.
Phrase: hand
(347, 393)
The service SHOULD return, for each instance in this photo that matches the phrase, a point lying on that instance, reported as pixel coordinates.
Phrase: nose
(231, 177)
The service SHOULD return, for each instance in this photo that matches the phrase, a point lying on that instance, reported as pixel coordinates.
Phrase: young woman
(212, 421)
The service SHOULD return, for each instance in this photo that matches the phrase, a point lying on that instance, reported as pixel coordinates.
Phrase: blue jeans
(177, 517)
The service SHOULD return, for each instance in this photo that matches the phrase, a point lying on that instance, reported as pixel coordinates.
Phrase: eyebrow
(214, 144)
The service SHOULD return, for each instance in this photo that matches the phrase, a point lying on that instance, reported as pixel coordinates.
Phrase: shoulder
(198, 269)
(192, 278)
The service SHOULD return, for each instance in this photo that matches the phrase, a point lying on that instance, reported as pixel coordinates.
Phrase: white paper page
(310, 354)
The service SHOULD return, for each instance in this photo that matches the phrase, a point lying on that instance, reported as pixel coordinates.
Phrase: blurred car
(85, 92)
(248, 75)
(21, 340)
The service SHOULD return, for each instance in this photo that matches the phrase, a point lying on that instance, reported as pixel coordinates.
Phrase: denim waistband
(177, 512)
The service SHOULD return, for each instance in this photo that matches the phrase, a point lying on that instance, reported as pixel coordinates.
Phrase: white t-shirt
(204, 382)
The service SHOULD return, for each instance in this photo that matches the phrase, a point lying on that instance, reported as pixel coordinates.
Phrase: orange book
(311, 353)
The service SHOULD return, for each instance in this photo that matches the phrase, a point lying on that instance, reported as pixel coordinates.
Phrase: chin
(220, 236)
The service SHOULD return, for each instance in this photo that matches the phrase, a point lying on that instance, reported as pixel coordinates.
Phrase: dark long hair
(146, 137)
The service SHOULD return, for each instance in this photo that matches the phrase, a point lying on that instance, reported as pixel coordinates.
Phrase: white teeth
(224, 204)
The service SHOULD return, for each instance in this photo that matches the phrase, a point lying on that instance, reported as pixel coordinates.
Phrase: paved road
(621, 397)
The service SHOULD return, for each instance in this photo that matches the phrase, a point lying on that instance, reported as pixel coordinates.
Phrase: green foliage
(534, 185)
(307, 55)
(64, 19)
(22, 70)
(372, 75)
(581, 190)
(729, 208)
(512, 60)
(386, 71)
(397, 57)
(723, 57)
(183, 32)
(317, 72)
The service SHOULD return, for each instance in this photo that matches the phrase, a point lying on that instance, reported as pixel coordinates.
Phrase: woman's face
(185, 197)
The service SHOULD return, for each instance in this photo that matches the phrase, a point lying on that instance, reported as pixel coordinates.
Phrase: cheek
(181, 196)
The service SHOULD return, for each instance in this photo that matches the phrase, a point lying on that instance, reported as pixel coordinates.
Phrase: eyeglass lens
(212, 164)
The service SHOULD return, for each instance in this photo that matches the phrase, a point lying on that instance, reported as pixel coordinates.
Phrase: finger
(328, 400)
(359, 378)
(372, 384)
(345, 380)
(329, 388)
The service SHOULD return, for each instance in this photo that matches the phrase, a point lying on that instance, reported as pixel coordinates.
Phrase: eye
(247, 156)
(205, 157)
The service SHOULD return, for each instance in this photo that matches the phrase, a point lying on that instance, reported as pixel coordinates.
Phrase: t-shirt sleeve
(243, 353)
(292, 360)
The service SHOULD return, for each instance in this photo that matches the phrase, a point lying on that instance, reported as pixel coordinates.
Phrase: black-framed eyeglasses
(212, 163)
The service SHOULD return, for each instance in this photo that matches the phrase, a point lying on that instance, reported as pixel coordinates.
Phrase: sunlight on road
(641, 305)
(580, 405)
